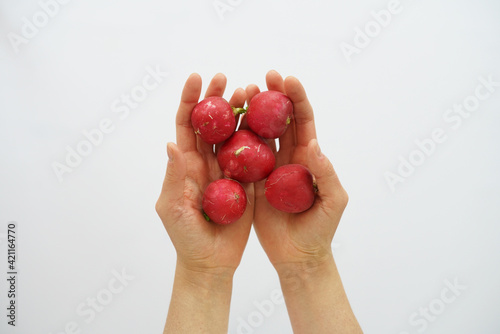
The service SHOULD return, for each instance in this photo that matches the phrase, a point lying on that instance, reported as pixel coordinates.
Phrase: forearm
(200, 302)
(316, 299)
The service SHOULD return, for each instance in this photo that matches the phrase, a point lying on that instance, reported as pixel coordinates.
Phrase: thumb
(173, 186)
(330, 191)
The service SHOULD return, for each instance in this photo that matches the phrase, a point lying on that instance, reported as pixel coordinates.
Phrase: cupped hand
(304, 238)
(192, 165)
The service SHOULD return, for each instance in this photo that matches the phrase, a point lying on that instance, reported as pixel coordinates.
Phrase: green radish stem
(239, 111)
(207, 218)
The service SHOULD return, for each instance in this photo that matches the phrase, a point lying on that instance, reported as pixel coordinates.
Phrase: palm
(220, 245)
(199, 243)
(288, 237)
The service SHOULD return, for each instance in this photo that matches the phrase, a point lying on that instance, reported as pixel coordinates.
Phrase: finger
(186, 138)
(288, 141)
(249, 190)
(173, 185)
(260, 193)
(275, 81)
(302, 109)
(204, 148)
(330, 191)
(251, 90)
(238, 101)
(217, 86)
(243, 123)
(272, 145)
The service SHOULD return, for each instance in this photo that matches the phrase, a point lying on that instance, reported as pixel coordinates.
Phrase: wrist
(315, 298)
(200, 300)
(211, 279)
(298, 275)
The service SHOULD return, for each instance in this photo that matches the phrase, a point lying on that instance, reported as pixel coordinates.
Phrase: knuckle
(158, 207)
(169, 209)
(342, 197)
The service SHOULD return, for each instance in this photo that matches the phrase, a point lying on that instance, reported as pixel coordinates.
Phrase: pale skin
(298, 245)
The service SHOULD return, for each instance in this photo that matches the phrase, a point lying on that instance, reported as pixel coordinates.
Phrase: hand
(299, 245)
(304, 238)
(192, 165)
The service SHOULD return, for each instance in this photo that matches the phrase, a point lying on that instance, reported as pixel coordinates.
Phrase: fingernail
(170, 153)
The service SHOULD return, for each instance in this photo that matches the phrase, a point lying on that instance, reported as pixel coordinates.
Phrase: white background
(395, 249)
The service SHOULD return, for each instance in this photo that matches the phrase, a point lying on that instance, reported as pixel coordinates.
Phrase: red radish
(269, 114)
(213, 120)
(224, 201)
(246, 157)
(290, 188)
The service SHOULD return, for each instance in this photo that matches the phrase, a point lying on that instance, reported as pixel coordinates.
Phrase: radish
(224, 201)
(246, 157)
(269, 114)
(213, 119)
(290, 188)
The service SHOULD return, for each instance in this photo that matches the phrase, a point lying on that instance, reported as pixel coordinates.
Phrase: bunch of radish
(246, 157)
